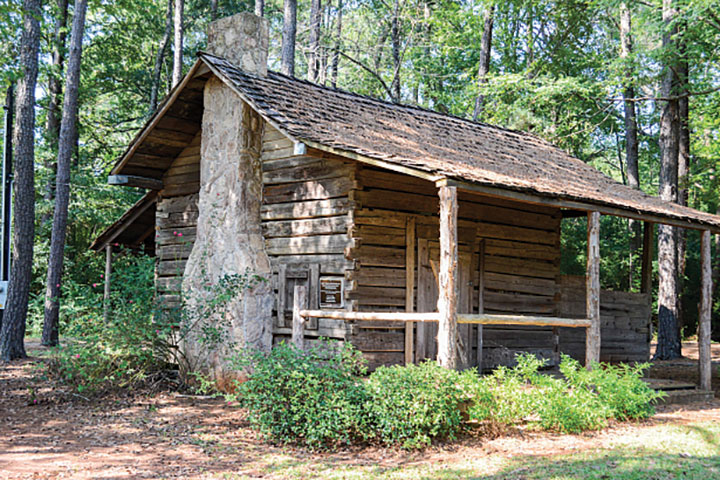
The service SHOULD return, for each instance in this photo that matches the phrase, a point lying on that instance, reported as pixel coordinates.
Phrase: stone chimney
(242, 40)
(229, 237)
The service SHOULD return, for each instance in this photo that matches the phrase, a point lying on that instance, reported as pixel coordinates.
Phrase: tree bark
(448, 278)
(315, 24)
(213, 10)
(178, 42)
(395, 40)
(705, 313)
(484, 68)
(287, 54)
(592, 286)
(631, 128)
(160, 57)
(335, 62)
(260, 8)
(12, 333)
(66, 146)
(683, 171)
(668, 340)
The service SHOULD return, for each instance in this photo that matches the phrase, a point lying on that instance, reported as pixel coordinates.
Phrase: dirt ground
(49, 433)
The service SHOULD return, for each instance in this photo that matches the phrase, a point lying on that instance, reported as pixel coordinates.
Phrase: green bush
(313, 398)
(412, 405)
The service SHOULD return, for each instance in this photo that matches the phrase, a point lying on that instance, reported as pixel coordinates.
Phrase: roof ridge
(386, 102)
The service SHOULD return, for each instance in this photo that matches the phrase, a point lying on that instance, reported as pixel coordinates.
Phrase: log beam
(705, 358)
(448, 278)
(592, 283)
(409, 286)
(136, 181)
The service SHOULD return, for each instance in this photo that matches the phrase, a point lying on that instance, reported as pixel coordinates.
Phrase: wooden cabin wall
(625, 323)
(521, 262)
(306, 217)
(176, 223)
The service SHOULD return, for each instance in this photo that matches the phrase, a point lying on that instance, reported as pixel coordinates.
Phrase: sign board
(3, 294)
(332, 292)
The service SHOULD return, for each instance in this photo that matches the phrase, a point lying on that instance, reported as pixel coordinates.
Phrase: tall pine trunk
(287, 55)
(66, 146)
(485, 50)
(631, 130)
(335, 62)
(160, 57)
(52, 125)
(314, 54)
(178, 42)
(260, 8)
(12, 332)
(213, 10)
(683, 172)
(395, 41)
(668, 339)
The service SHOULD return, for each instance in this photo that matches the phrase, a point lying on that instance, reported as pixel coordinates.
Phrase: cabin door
(427, 297)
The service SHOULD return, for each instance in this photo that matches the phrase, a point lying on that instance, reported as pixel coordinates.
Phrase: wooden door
(427, 296)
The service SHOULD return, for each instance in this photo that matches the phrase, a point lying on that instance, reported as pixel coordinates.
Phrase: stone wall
(229, 237)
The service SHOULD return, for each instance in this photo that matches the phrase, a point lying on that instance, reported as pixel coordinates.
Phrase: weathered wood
(704, 319)
(135, 181)
(489, 319)
(448, 278)
(299, 302)
(311, 190)
(108, 273)
(482, 279)
(308, 209)
(281, 294)
(592, 353)
(319, 244)
(306, 227)
(409, 286)
(647, 257)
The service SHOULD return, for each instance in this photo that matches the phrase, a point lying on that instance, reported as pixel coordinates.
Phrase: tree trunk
(66, 146)
(287, 55)
(668, 340)
(178, 42)
(484, 68)
(683, 170)
(335, 63)
(395, 39)
(631, 129)
(160, 57)
(314, 56)
(12, 332)
(260, 8)
(52, 125)
(213, 10)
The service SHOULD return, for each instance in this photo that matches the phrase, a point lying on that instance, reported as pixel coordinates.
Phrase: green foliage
(581, 400)
(313, 398)
(412, 405)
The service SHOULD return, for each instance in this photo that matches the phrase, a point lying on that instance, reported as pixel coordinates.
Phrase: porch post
(705, 357)
(108, 272)
(592, 284)
(298, 322)
(447, 297)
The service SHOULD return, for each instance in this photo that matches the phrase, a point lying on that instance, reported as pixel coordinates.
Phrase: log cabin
(409, 233)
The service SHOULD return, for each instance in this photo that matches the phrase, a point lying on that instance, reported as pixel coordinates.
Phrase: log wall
(306, 216)
(624, 323)
(521, 263)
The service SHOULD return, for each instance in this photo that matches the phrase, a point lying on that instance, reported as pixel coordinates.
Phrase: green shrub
(313, 398)
(619, 388)
(412, 405)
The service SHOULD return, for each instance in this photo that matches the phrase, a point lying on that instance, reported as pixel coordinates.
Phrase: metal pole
(7, 193)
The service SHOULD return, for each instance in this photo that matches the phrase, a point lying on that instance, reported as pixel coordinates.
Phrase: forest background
(585, 75)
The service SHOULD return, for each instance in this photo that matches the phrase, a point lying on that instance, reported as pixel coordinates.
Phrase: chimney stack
(242, 40)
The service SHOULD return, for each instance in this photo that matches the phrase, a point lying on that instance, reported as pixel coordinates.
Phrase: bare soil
(47, 432)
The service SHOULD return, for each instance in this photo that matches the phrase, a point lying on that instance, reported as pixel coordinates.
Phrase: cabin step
(686, 397)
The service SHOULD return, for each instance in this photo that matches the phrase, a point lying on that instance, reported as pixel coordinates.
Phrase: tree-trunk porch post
(298, 322)
(592, 284)
(108, 273)
(704, 353)
(448, 278)
(647, 256)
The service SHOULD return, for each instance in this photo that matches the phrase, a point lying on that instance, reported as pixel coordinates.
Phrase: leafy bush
(414, 404)
(314, 398)
(619, 388)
